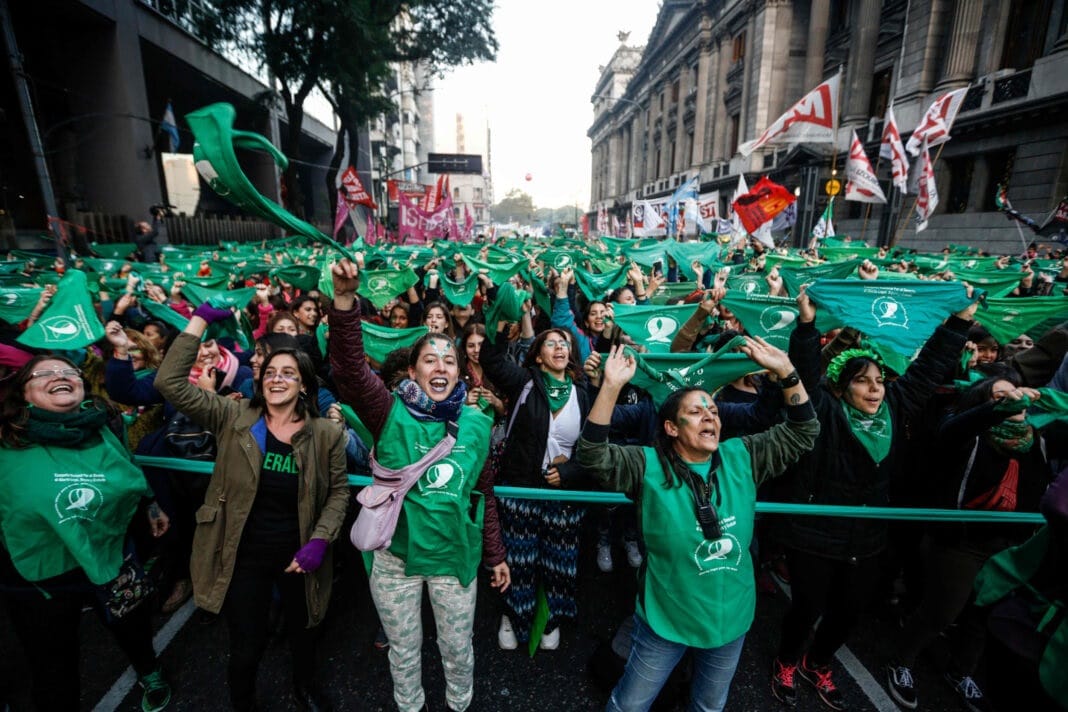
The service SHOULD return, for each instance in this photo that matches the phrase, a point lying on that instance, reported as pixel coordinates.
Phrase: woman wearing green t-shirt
(696, 498)
(68, 494)
(438, 537)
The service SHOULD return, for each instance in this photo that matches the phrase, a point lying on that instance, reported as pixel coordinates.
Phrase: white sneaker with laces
(634, 554)
(550, 640)
(506, 636)
(604, 557)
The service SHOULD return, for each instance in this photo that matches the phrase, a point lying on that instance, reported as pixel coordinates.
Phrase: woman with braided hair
(863, 424)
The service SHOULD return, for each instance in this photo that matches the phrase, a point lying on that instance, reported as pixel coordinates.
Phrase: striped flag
(861, 183)
(893, 149)
(936, 123)
(169, 126)
(927, 197)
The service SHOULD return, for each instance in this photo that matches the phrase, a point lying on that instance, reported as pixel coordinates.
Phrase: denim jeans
(651, 661)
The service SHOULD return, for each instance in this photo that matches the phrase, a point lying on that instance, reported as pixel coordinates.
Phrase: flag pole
(834, 145)
(901, 224)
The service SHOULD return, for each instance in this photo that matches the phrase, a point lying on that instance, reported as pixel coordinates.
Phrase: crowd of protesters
(443, 371)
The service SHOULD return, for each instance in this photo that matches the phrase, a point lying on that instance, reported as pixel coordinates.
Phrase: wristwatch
(790, 381)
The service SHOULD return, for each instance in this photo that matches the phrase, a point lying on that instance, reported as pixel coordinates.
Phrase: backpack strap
(523, 395)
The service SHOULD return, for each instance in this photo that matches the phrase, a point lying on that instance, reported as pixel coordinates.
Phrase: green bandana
(1008, 317)
(381, 285)
(380, 341)
(556, 390)
(771, 318)
(597, 286)
(1052, 406)
(793, 278)
(114, 250)
(507, 306)
(17, 303)
(748, 283)
(663, 374)
(874, 432)
(69, 321)
(303, 277)
(45, 427)
(458, 294)
(653, 327)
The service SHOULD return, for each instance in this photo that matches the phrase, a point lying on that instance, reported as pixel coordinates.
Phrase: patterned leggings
(542, 541)
(399, 600)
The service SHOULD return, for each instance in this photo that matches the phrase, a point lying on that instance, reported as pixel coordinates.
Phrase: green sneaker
(157, 693)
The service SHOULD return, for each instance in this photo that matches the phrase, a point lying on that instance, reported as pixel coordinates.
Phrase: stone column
(963, 40)
(614, 162)
(717, 115)
(861, 61)
(681, 161)
(818, 20)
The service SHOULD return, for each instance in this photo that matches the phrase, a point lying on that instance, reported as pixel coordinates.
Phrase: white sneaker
(634, 554)
(550, 640)
(506, 636)
(604, 557)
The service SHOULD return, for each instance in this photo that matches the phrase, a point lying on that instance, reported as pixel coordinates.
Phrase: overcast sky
(536, 96)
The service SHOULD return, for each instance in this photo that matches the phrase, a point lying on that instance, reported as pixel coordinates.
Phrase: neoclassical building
(716, 73)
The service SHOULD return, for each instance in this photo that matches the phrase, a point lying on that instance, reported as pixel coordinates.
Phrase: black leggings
(247, 610)
(48, 631)
(835, 589)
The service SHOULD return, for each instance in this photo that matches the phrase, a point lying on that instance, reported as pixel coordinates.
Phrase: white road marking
(875, 692)
(128, 679)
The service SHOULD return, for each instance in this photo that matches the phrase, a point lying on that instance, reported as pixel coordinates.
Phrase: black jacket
(839, 471)
(529, 432)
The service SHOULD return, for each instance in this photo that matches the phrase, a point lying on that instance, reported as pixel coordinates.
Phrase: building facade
(716, 73)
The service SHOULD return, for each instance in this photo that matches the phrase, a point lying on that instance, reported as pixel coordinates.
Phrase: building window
(456, 213)
(671, 166)
(880, 93)
(732, 134)
(998, 172)
(839, 14)
(675, 92)
(478, 195)
(1025, 34)
(657, 174)
(738, 53)
(689, 149)
(961, 171)
(661, 102)
(456, 193)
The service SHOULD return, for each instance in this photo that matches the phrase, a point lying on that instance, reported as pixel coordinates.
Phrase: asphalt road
(357, 675)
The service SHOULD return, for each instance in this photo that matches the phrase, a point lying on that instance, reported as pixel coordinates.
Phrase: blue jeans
(651, 661)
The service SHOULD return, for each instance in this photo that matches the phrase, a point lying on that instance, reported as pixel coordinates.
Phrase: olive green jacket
(319, 449)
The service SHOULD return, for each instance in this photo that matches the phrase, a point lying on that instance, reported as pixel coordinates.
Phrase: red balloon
(529, 177)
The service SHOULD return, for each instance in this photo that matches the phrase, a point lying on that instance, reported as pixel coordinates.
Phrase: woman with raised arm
(277, 498)
(696, 499)
(833, 561)
(429, 431)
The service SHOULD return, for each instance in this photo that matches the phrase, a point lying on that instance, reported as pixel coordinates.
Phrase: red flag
(341, 214)
(584, 224)
(355, 193)
(936, 123)
(371, 234)
(892, 148)
(861, 183)
(469, 223)
(762, 203)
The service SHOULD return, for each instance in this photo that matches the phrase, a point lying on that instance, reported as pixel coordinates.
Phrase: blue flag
(170, 126)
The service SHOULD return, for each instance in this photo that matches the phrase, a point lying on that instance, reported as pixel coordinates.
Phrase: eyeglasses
(553, 343)
(275, 375)
(50, 372)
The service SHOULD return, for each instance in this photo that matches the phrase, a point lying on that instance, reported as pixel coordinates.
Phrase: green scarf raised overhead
(874, 432)
(17, 303)
(748, 283)
(457, 293)
(506, 306)
(1007, 318)
(663, 374)
(653, 327)
(69, 321)
(380, 341)
(897, 315)
(558, 392)
(771, 318)
(597, 286)
(381, 285)
(796, 277)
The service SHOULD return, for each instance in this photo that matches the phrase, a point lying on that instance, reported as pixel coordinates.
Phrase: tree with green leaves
(348, 49)
(516, 206)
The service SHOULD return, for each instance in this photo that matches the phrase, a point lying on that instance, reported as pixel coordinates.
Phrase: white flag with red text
(927, 197)
(893, 149)
(811, 120)
(861, 183)
(935, 125)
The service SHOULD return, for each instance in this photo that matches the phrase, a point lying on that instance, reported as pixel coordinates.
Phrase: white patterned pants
(399, 600)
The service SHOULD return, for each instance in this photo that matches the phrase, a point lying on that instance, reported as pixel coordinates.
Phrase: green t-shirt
(694, 591)
(439, 532)
(67, 508)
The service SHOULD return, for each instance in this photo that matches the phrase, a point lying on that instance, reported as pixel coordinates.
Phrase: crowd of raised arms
(696, 378)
